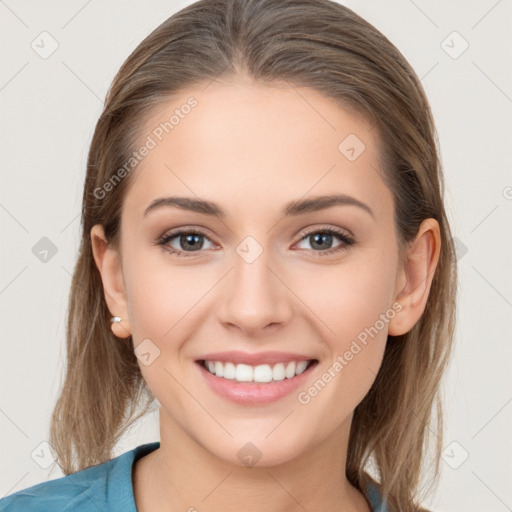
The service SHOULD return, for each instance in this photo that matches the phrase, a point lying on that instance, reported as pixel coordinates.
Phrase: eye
(188, 241)
(323, 239)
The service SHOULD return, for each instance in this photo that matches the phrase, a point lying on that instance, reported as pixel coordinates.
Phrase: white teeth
(219, 369)
(229, 371)
(278, 372)
(290, 370)
(301, 366)
(243, 373)
(260, 373)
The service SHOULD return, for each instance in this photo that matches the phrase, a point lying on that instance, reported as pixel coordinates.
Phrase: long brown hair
(314, 43)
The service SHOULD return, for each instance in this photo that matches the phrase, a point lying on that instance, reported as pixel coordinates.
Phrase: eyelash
(346, 240)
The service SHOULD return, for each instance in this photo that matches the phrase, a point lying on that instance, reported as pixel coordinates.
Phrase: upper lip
(238, 357)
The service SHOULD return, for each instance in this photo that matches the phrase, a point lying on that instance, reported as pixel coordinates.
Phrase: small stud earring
(119, 330)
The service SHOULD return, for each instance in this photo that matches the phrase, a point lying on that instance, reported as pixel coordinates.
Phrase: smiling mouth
(258, 374)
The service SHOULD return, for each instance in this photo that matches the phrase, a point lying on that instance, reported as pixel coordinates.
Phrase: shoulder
(374, 496)
(104, 486)
(376, 500)
(62, 494)
(81, 491)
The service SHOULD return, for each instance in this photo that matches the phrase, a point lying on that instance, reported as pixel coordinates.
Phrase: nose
(255, 297)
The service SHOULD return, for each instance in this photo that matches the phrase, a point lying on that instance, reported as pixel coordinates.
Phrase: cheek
(163, 308)
(160, 295)
(349, 297)
(354, 352)
(352, 310)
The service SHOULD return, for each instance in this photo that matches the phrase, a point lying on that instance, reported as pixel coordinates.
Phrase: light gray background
(48, 111)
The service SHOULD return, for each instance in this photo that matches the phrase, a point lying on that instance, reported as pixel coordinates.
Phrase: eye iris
(187, 241)
(319, 236)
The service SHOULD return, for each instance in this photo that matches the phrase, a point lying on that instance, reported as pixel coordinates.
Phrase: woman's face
(263, 276)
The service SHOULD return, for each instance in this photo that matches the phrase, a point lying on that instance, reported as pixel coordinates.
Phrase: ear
(108, 262)
(417, 273)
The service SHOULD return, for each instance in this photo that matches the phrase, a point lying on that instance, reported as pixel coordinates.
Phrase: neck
(182, 475)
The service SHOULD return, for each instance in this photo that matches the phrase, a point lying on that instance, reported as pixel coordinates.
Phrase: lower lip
(250, 393)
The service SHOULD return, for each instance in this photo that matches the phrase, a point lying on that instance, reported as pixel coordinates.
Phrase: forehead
(258, 146)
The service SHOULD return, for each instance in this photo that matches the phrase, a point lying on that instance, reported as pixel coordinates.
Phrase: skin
(252, 149)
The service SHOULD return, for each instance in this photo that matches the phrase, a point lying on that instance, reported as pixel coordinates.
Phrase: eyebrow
(293, 208)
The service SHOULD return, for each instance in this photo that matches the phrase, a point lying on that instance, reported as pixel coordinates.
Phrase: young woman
(266, 253)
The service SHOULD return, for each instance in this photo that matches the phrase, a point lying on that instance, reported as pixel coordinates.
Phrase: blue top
(103, 487)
